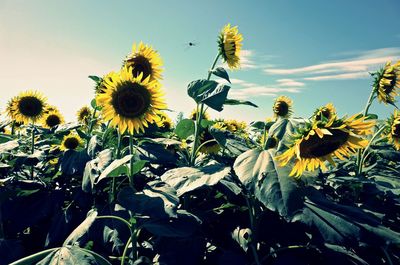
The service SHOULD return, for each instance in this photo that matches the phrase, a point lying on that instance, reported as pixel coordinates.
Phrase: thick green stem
(117, 156)
(253, 237)
(364, 152)
(365, 113)
(199, 116)
(125, 251)
(33, 149)
(131, 173)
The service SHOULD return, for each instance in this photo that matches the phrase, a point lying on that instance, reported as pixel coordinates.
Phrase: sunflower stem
(33, 148)
(264, 144)
(117, 156)
(364, 151)
(131, 151)
(116, 218)
(199, 114)
(253, 236)
(12, 127)
(365, 113)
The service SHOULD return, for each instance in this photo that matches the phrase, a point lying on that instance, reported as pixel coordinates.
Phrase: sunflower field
(125, 184)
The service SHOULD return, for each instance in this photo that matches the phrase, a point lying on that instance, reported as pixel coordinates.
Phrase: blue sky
(314, 51)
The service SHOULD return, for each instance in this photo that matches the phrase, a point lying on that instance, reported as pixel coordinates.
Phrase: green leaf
(94, 146)
(239, 102)
(185, 128)
(242, 237)
(208, 92)
(157, 200)
(115, 169)
(235, 144)
(184, 224)
(8, 146)
(221, 72)
(137, 166)
(93, 103)
(74, 162)
(371, 116)
(82, 229)
(186, 179)
(71, 255)
(271, 184)
(95, 78)
(94, 168)
(155, 153)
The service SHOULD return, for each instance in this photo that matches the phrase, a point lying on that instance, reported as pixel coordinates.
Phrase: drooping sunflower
(193, 115)
(131, 103)
(144, 60)
(388, 82)
(165, 122)
(282, 107)
(229, 44)
(84, 115)
(52, 119)
(325, 113)
(10, 109)
(28, 107)
(72, 141)
(208, 144)
(319, 142)
(393, 132)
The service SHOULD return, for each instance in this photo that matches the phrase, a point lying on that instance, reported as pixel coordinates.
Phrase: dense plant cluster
(127, 185)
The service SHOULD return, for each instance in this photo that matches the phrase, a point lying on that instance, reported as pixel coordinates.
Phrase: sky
(313, 51)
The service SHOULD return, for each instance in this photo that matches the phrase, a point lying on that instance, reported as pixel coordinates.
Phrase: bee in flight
(190, 44)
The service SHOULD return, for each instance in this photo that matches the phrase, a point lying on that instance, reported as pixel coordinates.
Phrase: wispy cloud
(246, 60)
(350, 68)
(289, 83)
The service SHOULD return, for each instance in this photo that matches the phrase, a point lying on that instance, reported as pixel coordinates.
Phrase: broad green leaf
(74, 162)
(185, 128)
(137, 166)
(94, 169)
(198, 87)
(271, 184)
(242, 236)
(183, 225)
(221, 72)
(155, 153)
(111, 235)
(8, 146)
(115, 169)
(208, 92)
(93, 103)
(235, 144)
(82, 229)
(95, 78)
(94, 146)
(239, 102)
(186, 179)
(157, 200)
(72, 255)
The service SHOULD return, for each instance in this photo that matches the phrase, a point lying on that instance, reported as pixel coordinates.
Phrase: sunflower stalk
(253, 236)
(365, 151)
(117, 156)
(365, 113)
(199, 116)
(33, 149)
(131, 173)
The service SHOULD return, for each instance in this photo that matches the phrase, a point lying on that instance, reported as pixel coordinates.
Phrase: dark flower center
(141, 65)
(323, 113)
(84, 114)
(30, 106)
(316, 147)
(208, 137)
(71, 143)
(131, 100)
(281, 108)
(396, 130)
(53, 120)
(272, 142)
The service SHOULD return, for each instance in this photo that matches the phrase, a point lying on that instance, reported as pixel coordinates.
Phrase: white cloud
(246, 60)
(350, 68)
(289, 83)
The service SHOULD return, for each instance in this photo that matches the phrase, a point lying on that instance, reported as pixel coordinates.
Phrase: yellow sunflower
(282, 107)
(165, 122)
(144, 60)
(229, 44)
(10, 109)
(325, 113)
(4, 130)
(322, 141)
(52, 119)
(72, 141)
(84, 115)
(193, 115)
(28, 107)
(131, 103)
(393, 132)
(388, 83)
(208, 144)
(108, 78)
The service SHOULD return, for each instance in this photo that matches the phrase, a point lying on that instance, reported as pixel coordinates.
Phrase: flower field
(126, 184)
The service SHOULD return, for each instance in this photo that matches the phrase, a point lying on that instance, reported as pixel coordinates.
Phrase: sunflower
(50, 108)
(100, 86)
(282, 107)
(52, 119)
(208, 144)
(131, 103)
(229, 44)
(319, 142)
(84, 115)
(393, 132)
(29, 107)
(165, 122)
(71, 141)
(388, 82)
(193, 115)
(10, 109)
(327, 113)
(144, 60)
